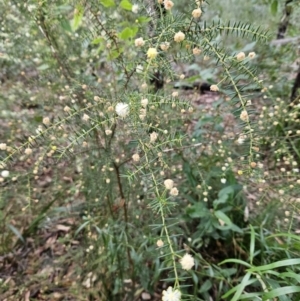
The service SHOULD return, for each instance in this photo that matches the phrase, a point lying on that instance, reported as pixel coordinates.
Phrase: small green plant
(154, 187)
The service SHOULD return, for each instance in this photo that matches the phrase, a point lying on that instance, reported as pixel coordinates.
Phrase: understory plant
(156, 183)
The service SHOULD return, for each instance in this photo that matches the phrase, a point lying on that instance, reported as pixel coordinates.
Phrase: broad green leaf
(221, 200)
(143, 19)
(38, 118)
(225, 191)
(126, 4)
(277, 264)
(108, 3)
(97, 41)
(228, 272)
(77, 19)
(222, 216)
(128, 32)
(205, 286)
(114, 54)
(223, 195)
(198, 210)
(280, 291)
(235, 228)
(195, 278)
(274, 7)
(43, 67)
(65, 24)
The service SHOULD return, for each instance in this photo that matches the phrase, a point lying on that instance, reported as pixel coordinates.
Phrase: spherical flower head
(67, 109)
(168, 4)
(135, 8)
(214, 88)
(179, 37)
(28, 151)
(153, 137)
(152, 53)
(164, 46)
(108, 132)
(252, 55)
(187, 262)
(139, 42)
(85, 117)
(169, 184)
(122, 109)
(223, 180)
(175, 94)
(3, 146)
(174, 191)
(244, 116)
(46, 120)
(136, 157)
(4, 173)
(196, 51)
(240, 56)
(197, 13)
(144, 102)
(171, 295)
(159, 243)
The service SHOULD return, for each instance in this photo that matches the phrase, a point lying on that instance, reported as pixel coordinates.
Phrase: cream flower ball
(171, 294)
(152, 53)
(214, 88)
(169, 184)
(122, 109)
(139, 42)
(240, 56)
(179, 37)
(197, 13)
(5, 173)
(187, 261)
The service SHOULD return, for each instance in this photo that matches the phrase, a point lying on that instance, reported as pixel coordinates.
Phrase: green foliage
(136, 176)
